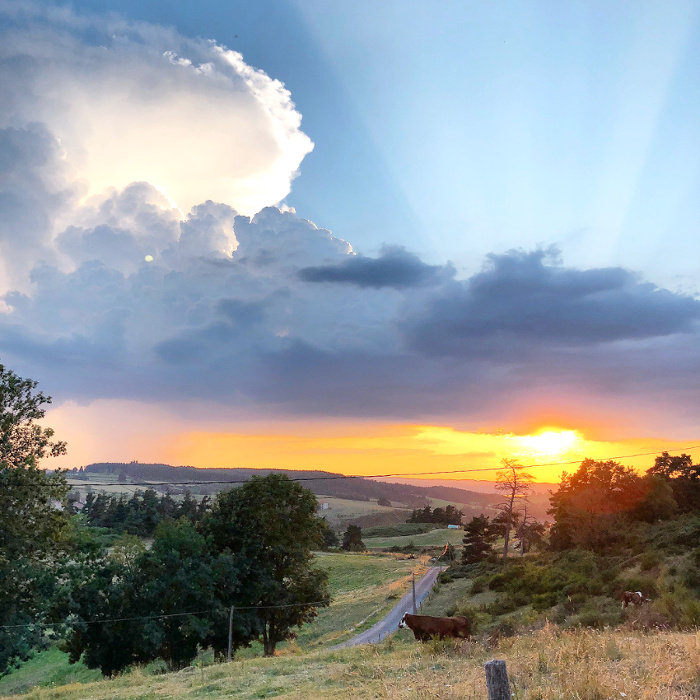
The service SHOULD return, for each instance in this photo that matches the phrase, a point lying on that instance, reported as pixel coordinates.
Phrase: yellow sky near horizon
(125, 431)
(412, 450)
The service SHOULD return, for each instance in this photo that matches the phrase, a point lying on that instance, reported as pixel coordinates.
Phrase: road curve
(390, 623)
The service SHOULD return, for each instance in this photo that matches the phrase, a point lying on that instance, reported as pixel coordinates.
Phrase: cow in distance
(424, 626)
(633, 598)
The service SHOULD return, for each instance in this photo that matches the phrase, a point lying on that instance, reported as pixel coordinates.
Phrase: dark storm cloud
(231, 310)
(519, 302)
(395, 267)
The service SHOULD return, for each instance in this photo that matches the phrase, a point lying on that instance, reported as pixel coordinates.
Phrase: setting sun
(549, 443)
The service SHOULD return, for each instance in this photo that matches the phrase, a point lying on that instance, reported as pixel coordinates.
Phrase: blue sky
(475, 216)
(471, 128)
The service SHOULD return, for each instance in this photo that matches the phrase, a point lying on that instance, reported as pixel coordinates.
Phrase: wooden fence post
(497, 680)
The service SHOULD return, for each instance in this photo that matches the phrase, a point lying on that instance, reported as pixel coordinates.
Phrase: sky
(363, 237)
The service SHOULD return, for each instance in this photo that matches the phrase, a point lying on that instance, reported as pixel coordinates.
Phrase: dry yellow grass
(546, 665)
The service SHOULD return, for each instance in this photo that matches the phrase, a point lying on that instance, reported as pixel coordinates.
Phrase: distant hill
(320, 482)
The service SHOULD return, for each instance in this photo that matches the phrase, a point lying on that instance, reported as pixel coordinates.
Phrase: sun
(549, 443)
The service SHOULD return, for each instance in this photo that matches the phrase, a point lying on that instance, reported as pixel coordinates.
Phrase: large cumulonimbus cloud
(117, 102)
(118, 295)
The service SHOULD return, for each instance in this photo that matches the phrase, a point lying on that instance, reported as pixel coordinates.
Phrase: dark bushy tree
(139, 605)
(657, 502)
(684, 478)
(352, 539)
(272, 522)
(592, 505)
(440, 516)
(32, 520)
(328, 535)
(479, 537)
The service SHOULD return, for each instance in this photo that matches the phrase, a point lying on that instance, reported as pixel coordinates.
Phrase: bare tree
(514, 483)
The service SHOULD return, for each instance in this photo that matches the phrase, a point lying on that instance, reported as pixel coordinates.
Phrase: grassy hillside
(434, 538)
(544, 665)
(400, 494)
(341, 512)
(512, 608)
(50, 667)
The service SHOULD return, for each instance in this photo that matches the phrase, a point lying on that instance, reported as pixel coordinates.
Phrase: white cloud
(136, 102)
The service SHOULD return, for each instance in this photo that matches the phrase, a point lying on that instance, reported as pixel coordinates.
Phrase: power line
(334, 477)
(164, 615)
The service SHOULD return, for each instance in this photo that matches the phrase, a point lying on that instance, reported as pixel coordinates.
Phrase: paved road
(391, 622)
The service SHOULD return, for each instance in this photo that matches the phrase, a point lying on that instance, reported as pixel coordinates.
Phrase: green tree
(593, 504)
(272, 522)
(352, 539)
(658, 501)
(32, 522)
(137, 606)
(684, 478)
(479, 537)
(330, 539)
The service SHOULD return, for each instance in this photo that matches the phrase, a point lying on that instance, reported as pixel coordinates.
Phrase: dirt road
(390, 623)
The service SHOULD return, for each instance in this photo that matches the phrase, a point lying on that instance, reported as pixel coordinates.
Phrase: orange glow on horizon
(410, 450)
(124, 431)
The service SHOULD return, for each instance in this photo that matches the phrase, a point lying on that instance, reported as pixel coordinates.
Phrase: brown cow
(424, 626)
(633, 597)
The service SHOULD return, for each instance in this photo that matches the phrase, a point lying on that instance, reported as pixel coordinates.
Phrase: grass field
(544, 665)
(434, 538)
(547, 663)
(400, 529)
(50, 667)
(341, 511)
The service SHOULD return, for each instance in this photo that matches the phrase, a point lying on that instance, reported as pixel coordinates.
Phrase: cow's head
(402, 624)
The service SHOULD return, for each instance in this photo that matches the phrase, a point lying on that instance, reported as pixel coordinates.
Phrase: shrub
(479, 584)
(544, 601)
(680, 607)
(597, 612)
(650, 560)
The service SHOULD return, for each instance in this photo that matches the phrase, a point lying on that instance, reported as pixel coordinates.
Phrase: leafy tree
(514, 483)
(384, 501)
(137, 606)
(442, 516)
(352, 539)
(592, 505)
(330, 539)
(658, 501)
(187, 508)
(479, 537)
(272, 522)
(683, 477)
(31, 528)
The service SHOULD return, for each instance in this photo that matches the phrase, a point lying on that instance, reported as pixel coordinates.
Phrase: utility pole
(413, 585)
(230, 632)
